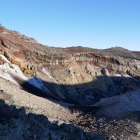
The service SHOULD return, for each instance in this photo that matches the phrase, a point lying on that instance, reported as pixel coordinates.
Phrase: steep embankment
(77, 74)
(76, 77)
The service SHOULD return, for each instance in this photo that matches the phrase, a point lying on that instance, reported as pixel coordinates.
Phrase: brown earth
(77, 76)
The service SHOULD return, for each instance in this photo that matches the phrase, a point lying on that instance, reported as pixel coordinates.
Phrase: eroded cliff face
(97, 90)
(91, 76)
(76, 74)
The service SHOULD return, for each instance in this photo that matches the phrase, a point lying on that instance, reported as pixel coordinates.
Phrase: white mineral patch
(118, 106)
(8, 72)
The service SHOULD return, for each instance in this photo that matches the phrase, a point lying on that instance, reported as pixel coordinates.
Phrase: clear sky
(63, 23)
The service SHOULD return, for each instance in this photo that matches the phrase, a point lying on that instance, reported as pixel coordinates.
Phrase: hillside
(67, 93)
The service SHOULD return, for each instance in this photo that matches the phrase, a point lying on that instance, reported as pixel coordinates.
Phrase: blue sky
(63, 23)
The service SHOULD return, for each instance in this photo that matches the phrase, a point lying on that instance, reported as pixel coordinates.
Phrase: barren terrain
(67, 93)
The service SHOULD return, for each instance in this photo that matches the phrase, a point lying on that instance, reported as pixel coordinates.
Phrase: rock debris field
(24, 116)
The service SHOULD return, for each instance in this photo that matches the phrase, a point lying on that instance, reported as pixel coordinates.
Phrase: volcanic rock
(65, 84)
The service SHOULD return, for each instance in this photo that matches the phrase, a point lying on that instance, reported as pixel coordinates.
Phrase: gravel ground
(30, 117)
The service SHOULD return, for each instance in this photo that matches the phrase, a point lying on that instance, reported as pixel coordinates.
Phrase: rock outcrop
(77, 71)
(78, 76)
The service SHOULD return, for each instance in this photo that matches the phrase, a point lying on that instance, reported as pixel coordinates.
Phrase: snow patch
(4, 58)
(118, 106)
(8, 73)
(38, 83)
(48, 74)
(118, 75)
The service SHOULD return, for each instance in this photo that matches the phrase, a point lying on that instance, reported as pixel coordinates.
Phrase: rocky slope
(76, 85)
